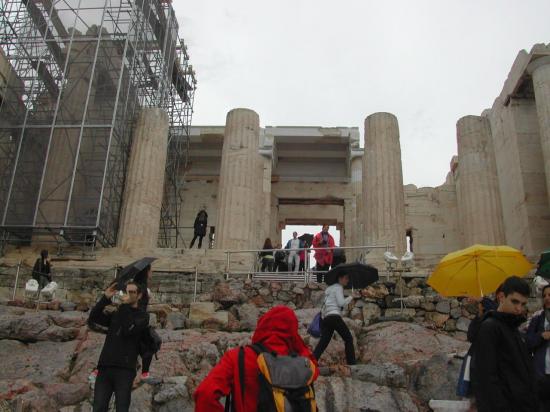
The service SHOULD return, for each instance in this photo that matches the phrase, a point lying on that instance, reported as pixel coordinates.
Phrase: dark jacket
(126, 326)
(537, 344)
(201, 222)
(502, 368)
(41, 268)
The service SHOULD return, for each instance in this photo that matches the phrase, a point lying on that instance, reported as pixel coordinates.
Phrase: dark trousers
(267, 264)
(195, 238)
(320, 275)
(330, 324)
(543, 384)
(113, 380)
(146, 363)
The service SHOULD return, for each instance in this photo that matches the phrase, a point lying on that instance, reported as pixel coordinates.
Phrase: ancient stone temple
(256, 180)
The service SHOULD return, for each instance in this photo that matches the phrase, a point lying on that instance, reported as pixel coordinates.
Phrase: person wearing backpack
(243, 374)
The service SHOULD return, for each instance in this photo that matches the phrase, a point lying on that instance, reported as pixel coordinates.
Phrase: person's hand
(546, 335)
(356, 294)
(110, 291)
(125, 298)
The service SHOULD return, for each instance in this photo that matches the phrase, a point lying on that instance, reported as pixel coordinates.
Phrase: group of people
(510, 369)
(293, 257)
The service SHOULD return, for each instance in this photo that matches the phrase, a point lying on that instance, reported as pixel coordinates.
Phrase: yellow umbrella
(477, 270)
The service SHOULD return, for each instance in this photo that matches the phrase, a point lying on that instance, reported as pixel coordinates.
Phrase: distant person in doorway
(323, 239)
(41, 271)
(199, 227)
(293, 246)
(280, 264)
(267, 256)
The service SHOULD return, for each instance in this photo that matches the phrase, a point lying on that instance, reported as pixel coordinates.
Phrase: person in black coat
(502, 368)
(199, 227)
(41, 271)
(118, 360)
(538, 341)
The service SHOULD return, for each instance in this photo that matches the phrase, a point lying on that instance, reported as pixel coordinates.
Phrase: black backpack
(286, 382)
(150, 342)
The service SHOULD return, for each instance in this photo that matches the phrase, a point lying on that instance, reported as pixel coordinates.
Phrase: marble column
(357, 193)
(240, 191)
(140, 218)
(478, 195)
(383, 206)
(540, 71)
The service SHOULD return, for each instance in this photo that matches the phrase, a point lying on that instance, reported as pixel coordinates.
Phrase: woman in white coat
(331, 314)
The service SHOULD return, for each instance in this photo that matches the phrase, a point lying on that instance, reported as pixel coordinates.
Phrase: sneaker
(93, 376)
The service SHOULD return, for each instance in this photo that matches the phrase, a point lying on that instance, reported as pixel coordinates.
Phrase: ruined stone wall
(431, 215)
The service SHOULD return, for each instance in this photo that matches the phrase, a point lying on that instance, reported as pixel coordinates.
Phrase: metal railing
(305, 275)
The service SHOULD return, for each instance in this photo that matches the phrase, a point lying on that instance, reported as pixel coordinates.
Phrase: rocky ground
(48, 355)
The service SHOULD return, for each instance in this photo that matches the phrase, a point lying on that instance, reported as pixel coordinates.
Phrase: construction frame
(73, 76)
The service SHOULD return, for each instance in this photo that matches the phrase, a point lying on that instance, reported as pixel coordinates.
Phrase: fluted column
(383, 207)
(240, 192)
(357, 193)
(540, 71)
(140, 218)
(478, 194)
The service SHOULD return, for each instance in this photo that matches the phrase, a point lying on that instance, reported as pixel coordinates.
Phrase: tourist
(323, 257)
(484, 305)
(143, 279)
(280, 264)
(538, 341)
(293, 246)
(277, 331)
(41, 271)
(199, 227)
(331, 315)
(118, 360)
(267, 256)
(502, 368)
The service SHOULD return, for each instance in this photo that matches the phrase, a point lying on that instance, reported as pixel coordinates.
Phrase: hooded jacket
(502, 369)
(537, 344)
(277, 330)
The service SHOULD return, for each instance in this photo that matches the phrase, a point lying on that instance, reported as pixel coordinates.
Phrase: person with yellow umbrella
(501, 366)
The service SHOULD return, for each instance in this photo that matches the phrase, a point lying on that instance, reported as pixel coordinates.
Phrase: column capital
(535, 64)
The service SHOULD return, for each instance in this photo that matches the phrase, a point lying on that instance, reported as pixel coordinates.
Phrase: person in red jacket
(323, 239)
(277, 330)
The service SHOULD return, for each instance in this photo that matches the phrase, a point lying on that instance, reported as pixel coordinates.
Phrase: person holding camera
(323, 256)
(118, 360)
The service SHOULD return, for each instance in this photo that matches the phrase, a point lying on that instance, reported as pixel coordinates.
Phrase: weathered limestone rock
(240, 188)
(478, 192)
(386, 374)
(383, 196)
(371, 312)
(140, 216)
(248, 316)
(203, 311)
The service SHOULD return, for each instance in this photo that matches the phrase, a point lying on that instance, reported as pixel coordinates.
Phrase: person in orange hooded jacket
(277, 330)
(323, 239)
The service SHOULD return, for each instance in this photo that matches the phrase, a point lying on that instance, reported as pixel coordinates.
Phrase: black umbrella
(307, 238)
(360, 275)
(128, 272)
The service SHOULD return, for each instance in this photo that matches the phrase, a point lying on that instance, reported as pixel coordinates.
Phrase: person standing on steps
(199, 227)
(41, 271)
(293, 246)
(331, 319)
(323, 256)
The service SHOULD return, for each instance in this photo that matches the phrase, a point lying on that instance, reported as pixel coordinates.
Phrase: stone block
(400, 313)
(443, 306)
(202, 311)
(371, 312)
(463, 324)
(438, 319)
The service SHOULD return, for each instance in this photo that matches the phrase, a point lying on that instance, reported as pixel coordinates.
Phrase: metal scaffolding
(73, 76)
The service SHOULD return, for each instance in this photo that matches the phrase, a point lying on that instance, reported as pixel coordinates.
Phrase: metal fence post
(16, 279)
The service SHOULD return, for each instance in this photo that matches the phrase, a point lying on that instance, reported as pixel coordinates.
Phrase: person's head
(343, 280)
(134, 292)
(294, 235)
(44, 254)
(267, 244)
(546, 297)
(325, 228)
(513, 296)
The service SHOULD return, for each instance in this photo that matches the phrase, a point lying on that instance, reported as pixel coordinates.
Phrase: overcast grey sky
(327, 63)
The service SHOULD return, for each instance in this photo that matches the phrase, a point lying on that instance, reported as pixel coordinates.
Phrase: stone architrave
(540, 71)
(140, 219)
(383, 207)
(240, 193)
(479, 204)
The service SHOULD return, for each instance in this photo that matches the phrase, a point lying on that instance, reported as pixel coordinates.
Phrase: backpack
(286, 382)
(150, 343)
